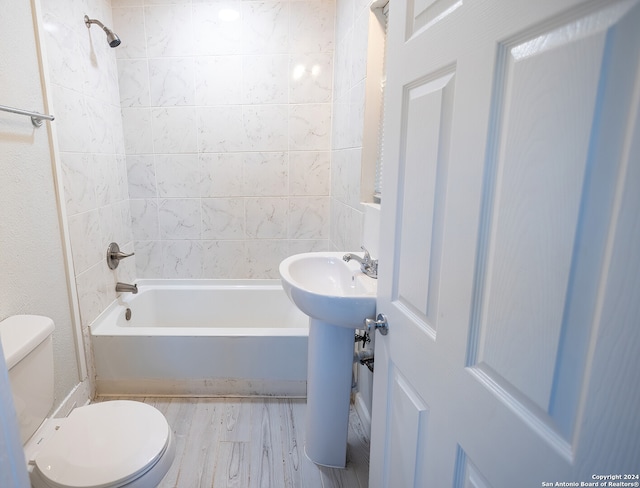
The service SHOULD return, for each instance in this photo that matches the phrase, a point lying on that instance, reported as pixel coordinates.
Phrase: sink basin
(328, 289)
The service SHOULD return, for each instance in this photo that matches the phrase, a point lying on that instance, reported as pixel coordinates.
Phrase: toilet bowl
(113, 444)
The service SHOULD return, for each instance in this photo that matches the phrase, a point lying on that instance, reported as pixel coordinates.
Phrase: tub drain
(127, 314)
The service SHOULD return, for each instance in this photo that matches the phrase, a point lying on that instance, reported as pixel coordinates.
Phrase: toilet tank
(28, 351)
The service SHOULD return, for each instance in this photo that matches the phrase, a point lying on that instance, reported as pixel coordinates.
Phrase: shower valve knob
(114, 255)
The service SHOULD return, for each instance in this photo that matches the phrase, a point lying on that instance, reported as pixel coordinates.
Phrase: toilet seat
(110, 444)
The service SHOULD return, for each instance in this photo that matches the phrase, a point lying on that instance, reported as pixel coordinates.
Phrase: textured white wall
(32, 275)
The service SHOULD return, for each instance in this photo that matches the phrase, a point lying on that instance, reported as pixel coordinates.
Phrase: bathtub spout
(126, 287)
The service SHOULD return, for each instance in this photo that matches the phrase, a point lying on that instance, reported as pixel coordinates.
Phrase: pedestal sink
(337, 297)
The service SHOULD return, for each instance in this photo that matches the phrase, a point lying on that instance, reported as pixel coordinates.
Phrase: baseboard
(210, 387)
(80, 395)
(361, 409)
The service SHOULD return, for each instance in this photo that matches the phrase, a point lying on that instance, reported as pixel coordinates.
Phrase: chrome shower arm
(89, 21)
(112, 37)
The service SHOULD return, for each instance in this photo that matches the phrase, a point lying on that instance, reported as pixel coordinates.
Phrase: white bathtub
(202, 338)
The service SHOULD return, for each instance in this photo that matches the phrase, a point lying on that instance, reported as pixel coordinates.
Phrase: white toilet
(115, 444)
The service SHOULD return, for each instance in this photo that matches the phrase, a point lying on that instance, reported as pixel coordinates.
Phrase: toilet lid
(104, 444)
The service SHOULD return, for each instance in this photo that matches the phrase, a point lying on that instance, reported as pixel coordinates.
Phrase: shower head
(112, 37)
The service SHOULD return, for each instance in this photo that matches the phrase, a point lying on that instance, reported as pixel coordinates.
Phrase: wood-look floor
(251, 443)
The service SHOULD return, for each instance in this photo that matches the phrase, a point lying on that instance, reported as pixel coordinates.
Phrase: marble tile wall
(226, 111)
(347, 212)
(84, 94)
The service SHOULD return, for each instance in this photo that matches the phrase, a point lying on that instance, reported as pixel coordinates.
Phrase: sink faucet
(126, 287)
(367, 265)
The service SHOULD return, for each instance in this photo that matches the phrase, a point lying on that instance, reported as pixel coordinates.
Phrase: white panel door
(510, 249)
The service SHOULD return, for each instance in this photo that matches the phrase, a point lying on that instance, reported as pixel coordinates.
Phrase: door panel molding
(535, 289)
(467, 474)
(407, 421)
(424, 162)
